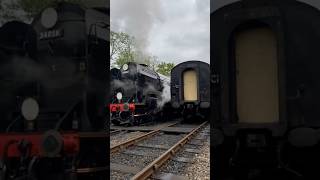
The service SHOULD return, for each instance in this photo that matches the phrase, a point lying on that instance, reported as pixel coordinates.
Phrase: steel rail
(91, 170)
(119, 147)
(115, 132)
(156, 164)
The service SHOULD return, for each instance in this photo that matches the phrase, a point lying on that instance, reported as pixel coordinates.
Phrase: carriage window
(190, 85)
(257, 76)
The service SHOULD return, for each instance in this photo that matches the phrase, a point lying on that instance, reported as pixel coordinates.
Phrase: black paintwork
(246, 147)
(139, 85)
(68, 76)
(203, 72)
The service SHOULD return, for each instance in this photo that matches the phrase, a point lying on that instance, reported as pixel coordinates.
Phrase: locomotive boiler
(136, 90)
(54, 78)
(190, 90)
(265, 95)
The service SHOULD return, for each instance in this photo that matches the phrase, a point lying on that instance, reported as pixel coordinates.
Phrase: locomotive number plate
(55, 33)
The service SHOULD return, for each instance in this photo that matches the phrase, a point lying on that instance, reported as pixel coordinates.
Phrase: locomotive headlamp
(125, 67)
(119, 96)
(30, 109)
(49, 18)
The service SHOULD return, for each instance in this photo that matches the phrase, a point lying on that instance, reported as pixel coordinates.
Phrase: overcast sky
(173, 30)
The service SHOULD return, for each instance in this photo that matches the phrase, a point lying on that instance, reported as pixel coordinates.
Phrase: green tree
(165, 68)
(121, 48)
(123, 58)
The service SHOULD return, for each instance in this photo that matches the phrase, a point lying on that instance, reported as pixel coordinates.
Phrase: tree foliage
(165, 68)
(123, 49)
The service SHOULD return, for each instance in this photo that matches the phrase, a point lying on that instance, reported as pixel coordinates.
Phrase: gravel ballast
(199, 169)
(124, 136)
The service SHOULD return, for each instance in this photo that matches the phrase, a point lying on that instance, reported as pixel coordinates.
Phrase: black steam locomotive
(190, 90)
(53, 95)
(136, 90)
(265, 95)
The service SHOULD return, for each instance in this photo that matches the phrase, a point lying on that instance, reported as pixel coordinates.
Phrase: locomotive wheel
(132, 122)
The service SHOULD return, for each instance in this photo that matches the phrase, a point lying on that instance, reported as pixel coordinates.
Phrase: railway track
(115, 132)
(141, 157)
(192, 161)
(121, 136)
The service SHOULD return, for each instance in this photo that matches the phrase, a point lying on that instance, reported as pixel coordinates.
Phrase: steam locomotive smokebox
(71, 64)
(66, 33)
(54, 84)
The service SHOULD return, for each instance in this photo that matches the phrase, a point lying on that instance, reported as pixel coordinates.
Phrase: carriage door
(257, 76)
(190, 85)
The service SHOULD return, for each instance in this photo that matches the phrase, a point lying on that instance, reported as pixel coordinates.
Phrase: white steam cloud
(165, 95)
(135, 17)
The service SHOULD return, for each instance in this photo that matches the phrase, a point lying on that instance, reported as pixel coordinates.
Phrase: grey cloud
(135, 17)
(179, 30)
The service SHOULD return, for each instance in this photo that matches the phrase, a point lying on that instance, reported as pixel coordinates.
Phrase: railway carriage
(265, 95)
(190, 89)
(54, 78)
